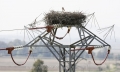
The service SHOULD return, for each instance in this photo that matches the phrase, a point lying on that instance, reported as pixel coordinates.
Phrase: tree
(111, 68)
(39, 67)
(102, 53)
(111, 56)
(3, 45)
(118, 57)
(18, 42)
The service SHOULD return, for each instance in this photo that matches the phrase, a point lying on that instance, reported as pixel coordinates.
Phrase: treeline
(37, 52)
(44, 52)
(101, 54)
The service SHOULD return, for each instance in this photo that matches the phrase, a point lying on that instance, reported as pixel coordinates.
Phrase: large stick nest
(65, 18)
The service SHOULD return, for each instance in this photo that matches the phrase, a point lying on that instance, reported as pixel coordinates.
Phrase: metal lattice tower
(67, 55)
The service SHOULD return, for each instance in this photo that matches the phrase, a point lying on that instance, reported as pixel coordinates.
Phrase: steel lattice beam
(66, 54)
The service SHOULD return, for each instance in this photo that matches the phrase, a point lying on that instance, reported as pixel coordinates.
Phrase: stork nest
(64, 18)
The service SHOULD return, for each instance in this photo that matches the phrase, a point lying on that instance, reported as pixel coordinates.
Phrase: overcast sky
(15, 14)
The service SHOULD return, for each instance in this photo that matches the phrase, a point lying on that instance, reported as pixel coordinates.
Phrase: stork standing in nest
(63, 9)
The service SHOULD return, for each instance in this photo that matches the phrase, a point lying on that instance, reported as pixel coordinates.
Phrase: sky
(15, 14)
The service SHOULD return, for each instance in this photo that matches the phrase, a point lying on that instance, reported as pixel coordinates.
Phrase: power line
(23, 54)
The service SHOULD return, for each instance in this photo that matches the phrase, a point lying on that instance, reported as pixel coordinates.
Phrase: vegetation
(37, 52)
(39, 67)
(44, 52)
